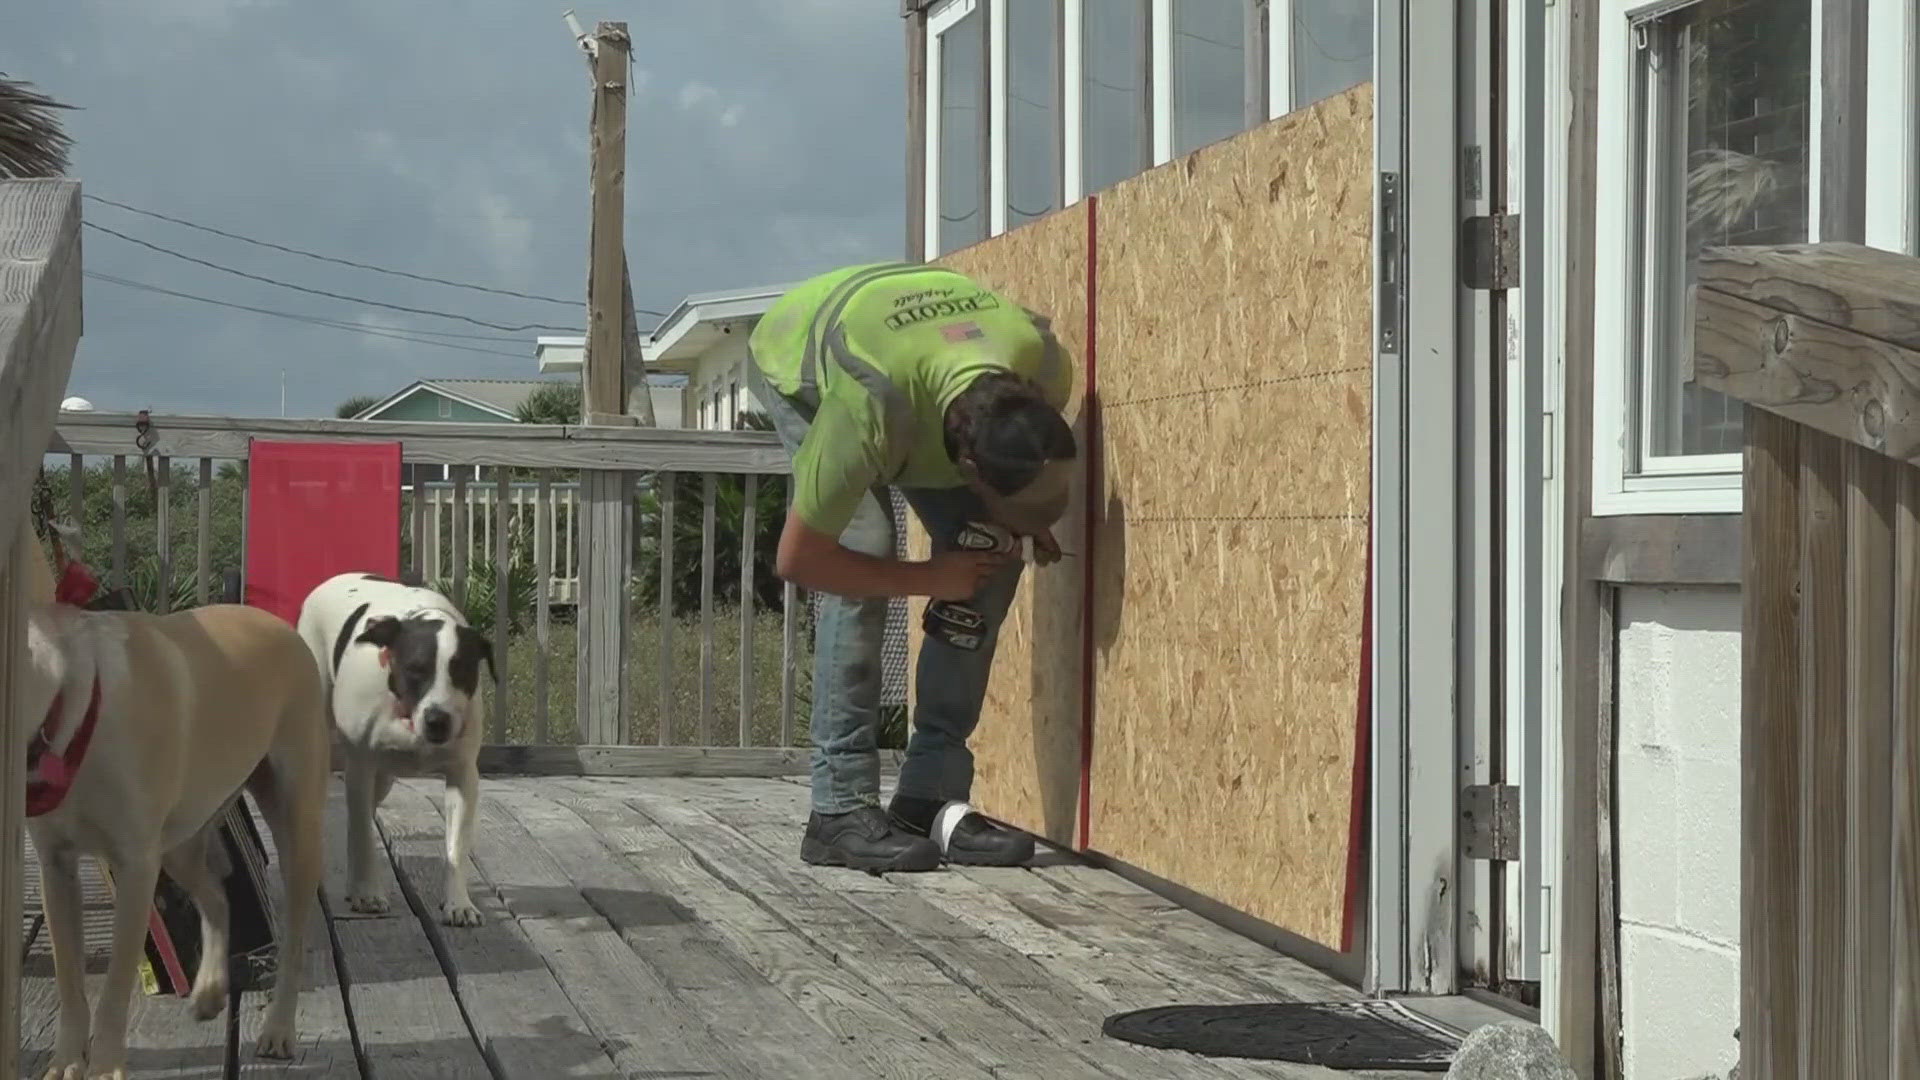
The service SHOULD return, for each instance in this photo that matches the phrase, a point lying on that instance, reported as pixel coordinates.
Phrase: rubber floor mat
(1336, 1035)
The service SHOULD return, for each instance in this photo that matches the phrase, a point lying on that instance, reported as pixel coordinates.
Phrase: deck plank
(771, 1034)
(625, 1002)
(1108, 952)
(861, 1016)
(1099, 983)
(39, 997)
(1000, 957)
(519, 1014)
(407, 1024)
(325, 1047)
(1006, 1041)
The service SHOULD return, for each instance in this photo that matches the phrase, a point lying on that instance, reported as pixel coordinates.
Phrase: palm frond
(1725, 188)
(32, 142)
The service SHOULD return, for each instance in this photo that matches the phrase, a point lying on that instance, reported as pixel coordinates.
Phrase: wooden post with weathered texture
(39, 329)
(605, 539)
(1822, 344)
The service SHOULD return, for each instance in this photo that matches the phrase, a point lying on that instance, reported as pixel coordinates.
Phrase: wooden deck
(666, 928)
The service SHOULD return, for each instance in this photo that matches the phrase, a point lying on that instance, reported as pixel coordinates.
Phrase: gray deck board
(325, 1048)
(675, 918)
(1005, 974)
(521, 1018)
(937, 994)
(867, 1020)
(622, 999)
(666, 927)
(407, 1022)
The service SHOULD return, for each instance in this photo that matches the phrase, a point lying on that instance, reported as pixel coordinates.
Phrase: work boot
(864, 839)
(975, 841)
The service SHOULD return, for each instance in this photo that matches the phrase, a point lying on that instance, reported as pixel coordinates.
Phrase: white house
(701, 346)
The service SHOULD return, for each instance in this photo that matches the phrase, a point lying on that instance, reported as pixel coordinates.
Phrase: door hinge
(1490, 252)
(1391, 264)
(1490, 822)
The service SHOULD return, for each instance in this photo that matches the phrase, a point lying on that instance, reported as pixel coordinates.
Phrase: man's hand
(958, 575)
(1046, 550)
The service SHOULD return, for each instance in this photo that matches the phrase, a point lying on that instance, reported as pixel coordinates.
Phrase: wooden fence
(536, 488)
(39, 329)
(1822, 344)
(553, 509)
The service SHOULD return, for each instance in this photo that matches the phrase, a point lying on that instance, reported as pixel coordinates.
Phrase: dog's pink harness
(49, 775)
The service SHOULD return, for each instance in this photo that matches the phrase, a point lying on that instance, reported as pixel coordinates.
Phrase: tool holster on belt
(955, 622)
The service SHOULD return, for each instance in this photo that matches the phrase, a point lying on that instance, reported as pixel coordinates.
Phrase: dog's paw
(76, 1070)
(118, 1072)
(209, 999)
(368, 903)
(461, 913)
(276, 1041)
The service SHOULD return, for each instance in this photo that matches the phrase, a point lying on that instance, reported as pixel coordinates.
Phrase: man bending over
(916, 377)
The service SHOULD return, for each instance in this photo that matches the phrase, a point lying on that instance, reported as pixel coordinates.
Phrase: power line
(323, 292)
(332, 259)
(309, 319)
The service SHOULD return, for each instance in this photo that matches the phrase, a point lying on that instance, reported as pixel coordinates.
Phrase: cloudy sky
(446, 139)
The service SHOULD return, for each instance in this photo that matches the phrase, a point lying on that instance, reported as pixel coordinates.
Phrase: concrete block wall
(1678, 805)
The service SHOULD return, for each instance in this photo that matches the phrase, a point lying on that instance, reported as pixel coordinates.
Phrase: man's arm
(813, 560)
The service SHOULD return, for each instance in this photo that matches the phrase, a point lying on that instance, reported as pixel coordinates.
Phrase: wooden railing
(553, 509)
(658, 675)
(39, 329)
(1822, 344)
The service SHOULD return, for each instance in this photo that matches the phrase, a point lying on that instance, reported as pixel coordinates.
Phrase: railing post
(749, 494)
(605, 555)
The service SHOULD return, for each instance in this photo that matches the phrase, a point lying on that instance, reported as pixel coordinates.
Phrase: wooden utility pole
(614, 387)
(613, 351)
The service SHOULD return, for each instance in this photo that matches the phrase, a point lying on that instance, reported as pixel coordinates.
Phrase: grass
(643, 682)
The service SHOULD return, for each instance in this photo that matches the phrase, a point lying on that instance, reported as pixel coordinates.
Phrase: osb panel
(1027, 748)
(1234, 303)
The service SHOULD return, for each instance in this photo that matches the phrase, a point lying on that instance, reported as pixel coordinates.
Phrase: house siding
(426, 406)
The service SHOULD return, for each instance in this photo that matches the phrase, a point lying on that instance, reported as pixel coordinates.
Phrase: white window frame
(941, 19)
(1893, 126)
(1710, 484)
(1695, 484)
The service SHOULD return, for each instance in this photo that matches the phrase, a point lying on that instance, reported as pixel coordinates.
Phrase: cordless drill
(954, 621)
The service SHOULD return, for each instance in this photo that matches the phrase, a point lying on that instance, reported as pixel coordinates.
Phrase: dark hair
(1003, 424)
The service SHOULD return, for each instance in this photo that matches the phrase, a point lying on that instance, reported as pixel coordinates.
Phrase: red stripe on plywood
(1089, 525)
(1362, 750)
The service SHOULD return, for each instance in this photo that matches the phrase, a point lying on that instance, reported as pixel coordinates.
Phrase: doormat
(1336, 1035)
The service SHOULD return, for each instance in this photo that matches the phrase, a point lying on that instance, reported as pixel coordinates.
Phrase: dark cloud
(765, 142)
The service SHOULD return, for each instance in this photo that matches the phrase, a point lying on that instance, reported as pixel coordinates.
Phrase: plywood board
(1027, 748)
(1234, 292)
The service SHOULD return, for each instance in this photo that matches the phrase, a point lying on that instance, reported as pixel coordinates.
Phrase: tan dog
(190, 707)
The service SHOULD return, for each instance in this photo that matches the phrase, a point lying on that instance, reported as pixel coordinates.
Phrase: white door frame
(1411, 855)
(1536, 57)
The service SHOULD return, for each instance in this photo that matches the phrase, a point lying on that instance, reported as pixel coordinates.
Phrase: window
(957, 126)
(446, 407)
(1114, 102)
(1710, 113)
(1032, 43)
(1209, 43)
(1033, 104)
(1330, 48)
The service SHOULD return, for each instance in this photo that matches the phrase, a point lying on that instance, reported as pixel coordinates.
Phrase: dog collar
(49, 775)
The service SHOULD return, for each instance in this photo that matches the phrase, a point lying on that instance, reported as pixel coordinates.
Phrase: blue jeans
(949, 684)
